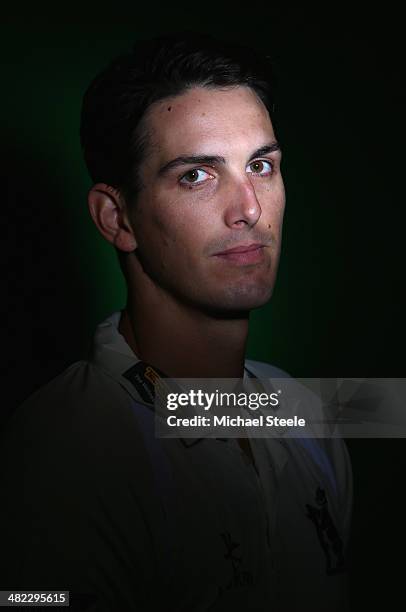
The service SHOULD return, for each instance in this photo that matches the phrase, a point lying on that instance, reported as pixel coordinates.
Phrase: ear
(108, 211)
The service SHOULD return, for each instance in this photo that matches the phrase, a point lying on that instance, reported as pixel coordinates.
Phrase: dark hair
(116, 101)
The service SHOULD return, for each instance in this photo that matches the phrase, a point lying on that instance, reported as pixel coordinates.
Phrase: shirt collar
(111, 353)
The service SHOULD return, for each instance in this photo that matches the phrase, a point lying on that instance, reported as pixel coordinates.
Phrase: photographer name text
(235, 421)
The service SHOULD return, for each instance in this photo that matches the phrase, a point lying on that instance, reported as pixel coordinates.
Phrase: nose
(243, 207)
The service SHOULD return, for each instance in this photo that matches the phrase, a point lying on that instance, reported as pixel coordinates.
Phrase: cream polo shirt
(96, 504)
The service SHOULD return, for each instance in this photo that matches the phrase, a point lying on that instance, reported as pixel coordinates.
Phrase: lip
(244, 255)
(242, 249)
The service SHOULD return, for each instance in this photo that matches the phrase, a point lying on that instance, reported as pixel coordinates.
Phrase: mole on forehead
(186, 107)
(199, 95)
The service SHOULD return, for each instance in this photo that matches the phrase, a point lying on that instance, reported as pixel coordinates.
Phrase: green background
(337, 309)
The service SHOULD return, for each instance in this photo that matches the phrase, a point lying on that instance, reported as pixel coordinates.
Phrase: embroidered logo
(240, 577)
(327, 533)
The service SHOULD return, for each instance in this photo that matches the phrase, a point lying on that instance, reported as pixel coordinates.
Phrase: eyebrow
(212, 160)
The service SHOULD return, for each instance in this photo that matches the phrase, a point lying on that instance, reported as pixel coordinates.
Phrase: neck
(183, 342)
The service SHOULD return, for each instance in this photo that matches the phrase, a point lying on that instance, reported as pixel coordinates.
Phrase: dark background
(337, 310)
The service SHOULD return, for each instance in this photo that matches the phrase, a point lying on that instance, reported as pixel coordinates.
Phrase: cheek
(272, 202)
(169, 228)
(279, 214)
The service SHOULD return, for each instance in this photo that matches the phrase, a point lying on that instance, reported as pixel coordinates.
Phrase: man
(179, 142)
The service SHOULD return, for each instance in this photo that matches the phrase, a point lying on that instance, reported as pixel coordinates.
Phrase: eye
(195, 176)
(261, 167)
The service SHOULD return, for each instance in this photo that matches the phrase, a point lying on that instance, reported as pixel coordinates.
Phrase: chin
(241, 299)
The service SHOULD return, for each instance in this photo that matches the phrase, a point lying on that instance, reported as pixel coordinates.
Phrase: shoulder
(261, 369)
(81, 415)
(81, 389)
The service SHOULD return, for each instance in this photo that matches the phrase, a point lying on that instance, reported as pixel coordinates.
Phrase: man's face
(191, 212)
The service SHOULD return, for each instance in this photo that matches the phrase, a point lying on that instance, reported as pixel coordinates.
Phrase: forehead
(208, 120)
